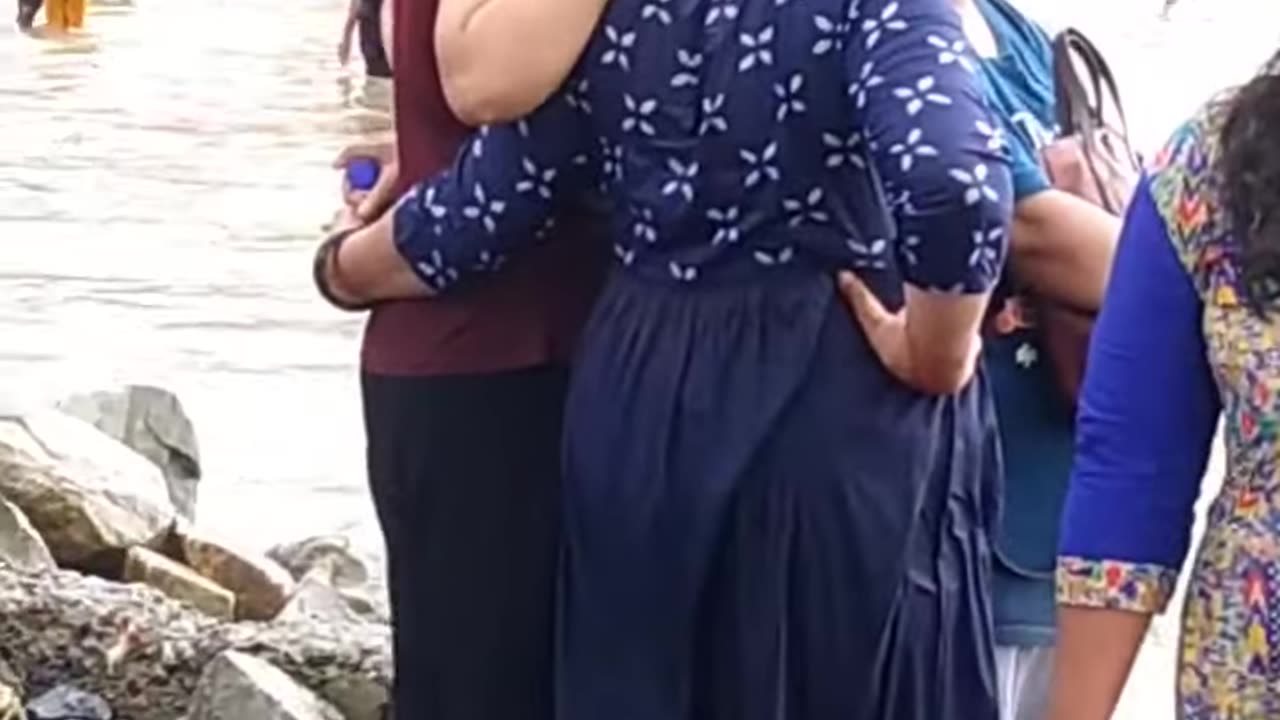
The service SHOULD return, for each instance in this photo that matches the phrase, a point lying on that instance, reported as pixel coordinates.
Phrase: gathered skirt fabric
(761, 524)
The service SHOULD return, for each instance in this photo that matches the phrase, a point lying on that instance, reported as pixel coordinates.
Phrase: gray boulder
(10, 703)
(20, 544)
(236, 686)
(68, 703)
(330, 560)
(85, 493)
(152, 422)
(145, 654)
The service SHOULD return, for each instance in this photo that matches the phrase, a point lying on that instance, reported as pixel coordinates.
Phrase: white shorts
(1024, 675)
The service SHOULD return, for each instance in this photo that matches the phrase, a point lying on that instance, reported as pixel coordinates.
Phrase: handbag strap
(1071, 95)
(1077, 113)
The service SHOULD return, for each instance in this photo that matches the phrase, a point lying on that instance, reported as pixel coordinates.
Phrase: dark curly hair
(1248, 172)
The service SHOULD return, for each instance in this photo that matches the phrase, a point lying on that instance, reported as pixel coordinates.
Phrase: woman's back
(760, 521)
(738, 135)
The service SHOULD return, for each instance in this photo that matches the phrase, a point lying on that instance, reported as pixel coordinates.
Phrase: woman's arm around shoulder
(501, 59)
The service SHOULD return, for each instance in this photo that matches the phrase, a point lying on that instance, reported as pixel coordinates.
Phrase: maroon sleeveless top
(527, 316)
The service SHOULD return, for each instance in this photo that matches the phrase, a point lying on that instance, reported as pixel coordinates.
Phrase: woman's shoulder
(1185, 190)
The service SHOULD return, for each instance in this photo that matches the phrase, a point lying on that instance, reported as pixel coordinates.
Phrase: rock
(144, 653)
(236, 686)
(67, 703)
(330, 559)
(316, 599)
(152, 422)
(84, 492)
(333, 552)
(10, 703)
(20, 544)
(261, 586)
(179, 582)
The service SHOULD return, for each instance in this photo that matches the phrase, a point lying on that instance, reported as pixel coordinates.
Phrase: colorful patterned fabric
(1229, 663)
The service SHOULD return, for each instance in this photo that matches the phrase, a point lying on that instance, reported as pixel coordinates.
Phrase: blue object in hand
(362, 173)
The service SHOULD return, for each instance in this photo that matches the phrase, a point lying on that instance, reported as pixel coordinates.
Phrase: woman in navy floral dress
(763, 520)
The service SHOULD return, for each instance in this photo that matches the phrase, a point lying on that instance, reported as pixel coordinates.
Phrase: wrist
(328, 276)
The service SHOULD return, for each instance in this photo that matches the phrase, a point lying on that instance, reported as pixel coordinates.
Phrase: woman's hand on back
(899, 345)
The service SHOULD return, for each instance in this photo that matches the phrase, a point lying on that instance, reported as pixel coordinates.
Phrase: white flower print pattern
(726, 222)
(867, 81)
(721, 10)
(713, 118)
(682, 177)
(808, 210)
(874, 28)
(738, 136)
(643, 228)
(831, 34)
(690, 63)
(916, 96)
(639, 115)
(872, 254)
(976, 184)
(657, 10)
(912, 148)
(536, 180)
(988, 250)
(952, 51)
(758, 47)
(487, 210)
(845, 150)
(761, 165)
(790, 101)
(619, 47)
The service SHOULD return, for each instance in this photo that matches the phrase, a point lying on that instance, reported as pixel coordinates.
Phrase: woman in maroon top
(471, 534)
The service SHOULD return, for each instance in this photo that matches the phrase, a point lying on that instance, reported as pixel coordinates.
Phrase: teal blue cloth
(1035, 424)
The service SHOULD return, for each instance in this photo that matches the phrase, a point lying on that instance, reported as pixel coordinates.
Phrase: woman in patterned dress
(763, 519)
(1187, 334)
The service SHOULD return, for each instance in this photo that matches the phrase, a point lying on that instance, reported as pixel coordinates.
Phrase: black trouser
(373, 48)
(465, 476)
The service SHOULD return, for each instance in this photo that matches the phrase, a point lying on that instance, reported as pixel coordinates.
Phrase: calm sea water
(163, 180)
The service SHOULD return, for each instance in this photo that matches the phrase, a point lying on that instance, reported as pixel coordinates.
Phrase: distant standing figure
(27, 10)
(365, 16)
(62, 15)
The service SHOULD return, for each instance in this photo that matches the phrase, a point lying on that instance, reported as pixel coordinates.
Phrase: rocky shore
(116, 605)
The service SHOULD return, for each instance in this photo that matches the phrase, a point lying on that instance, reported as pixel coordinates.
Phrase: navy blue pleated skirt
(761, 524)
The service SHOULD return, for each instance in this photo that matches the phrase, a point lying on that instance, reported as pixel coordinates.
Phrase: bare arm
(1063, 246)
(1095, 653)
(501, 59)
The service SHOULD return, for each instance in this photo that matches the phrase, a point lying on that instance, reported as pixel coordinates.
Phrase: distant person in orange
(60, 15)
(64, 14)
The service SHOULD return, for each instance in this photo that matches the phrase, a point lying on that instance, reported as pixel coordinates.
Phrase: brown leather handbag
(1092, 159)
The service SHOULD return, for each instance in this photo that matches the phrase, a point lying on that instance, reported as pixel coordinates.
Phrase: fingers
(380, 196)
(864, 303)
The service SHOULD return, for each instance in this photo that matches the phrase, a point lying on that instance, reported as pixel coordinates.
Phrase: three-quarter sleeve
(932, 142)
(498, 196)
(1147, 415)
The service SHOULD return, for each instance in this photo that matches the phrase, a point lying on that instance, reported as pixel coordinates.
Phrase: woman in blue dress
(763, 517)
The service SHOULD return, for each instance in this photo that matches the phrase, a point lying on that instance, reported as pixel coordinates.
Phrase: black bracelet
(326, 258)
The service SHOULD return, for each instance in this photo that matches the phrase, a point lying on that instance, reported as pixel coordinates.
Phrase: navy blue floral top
(735, 136)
